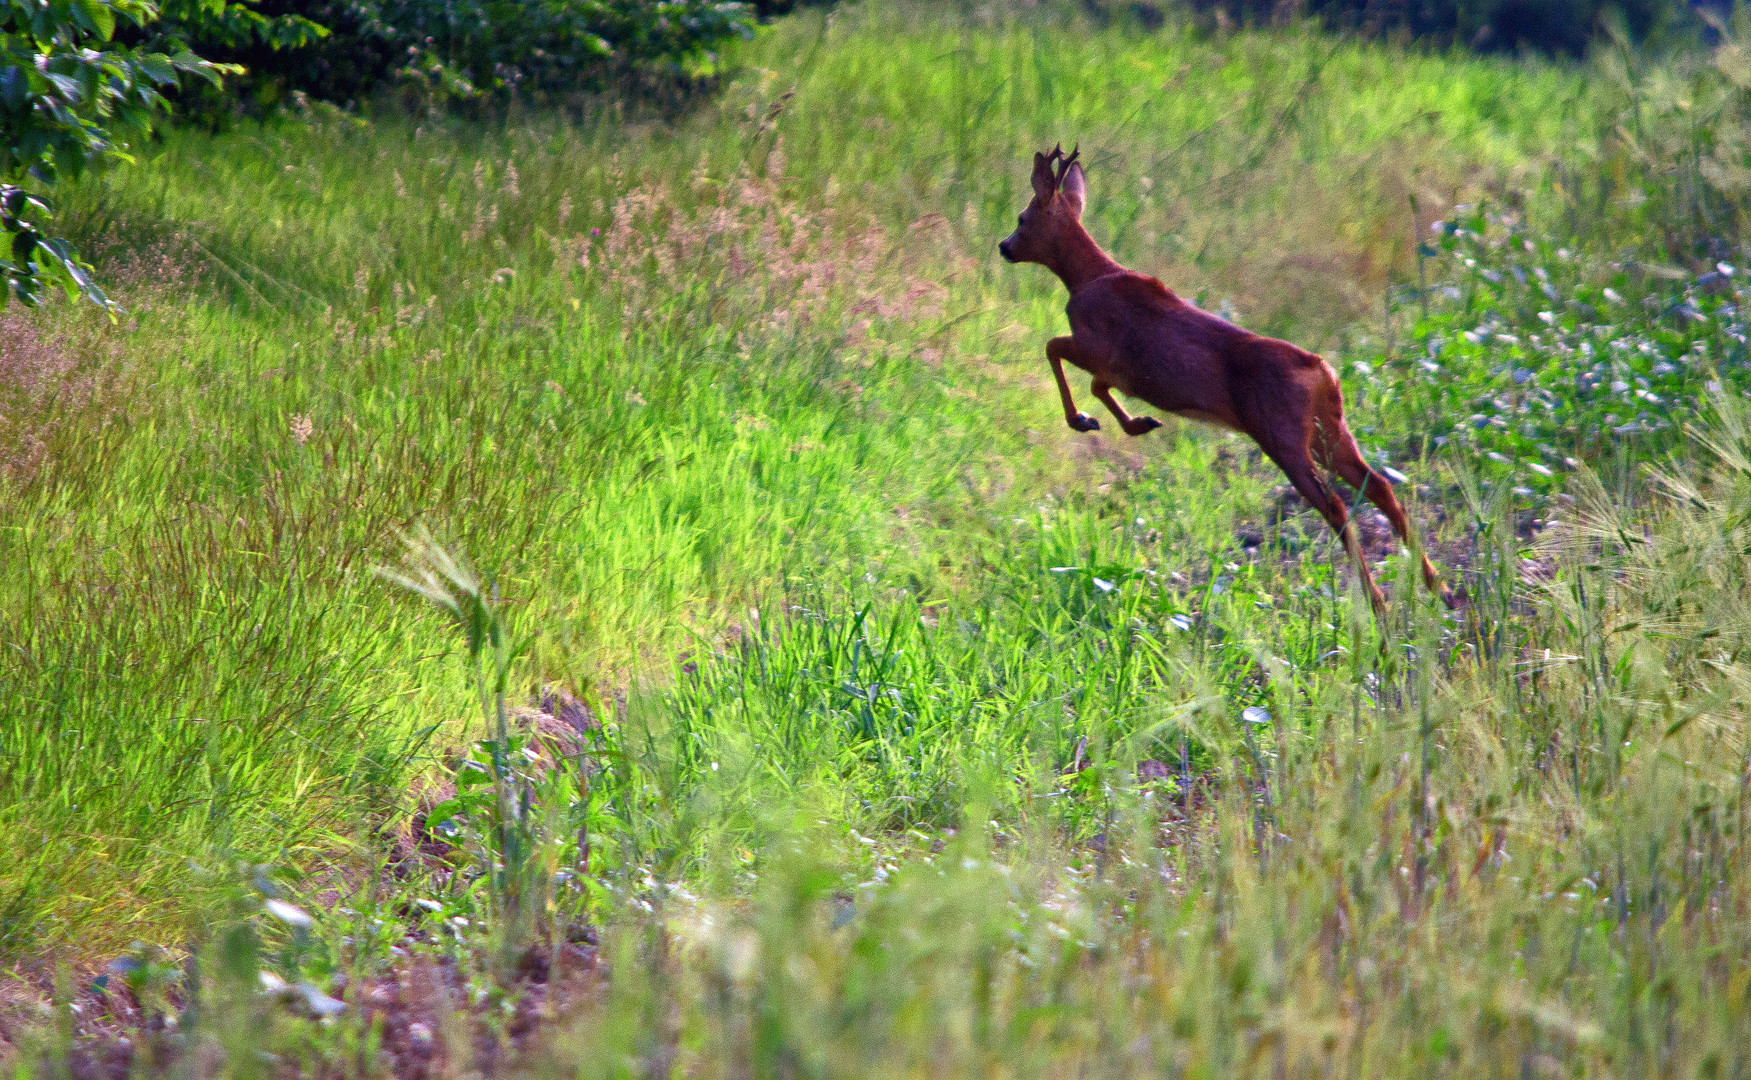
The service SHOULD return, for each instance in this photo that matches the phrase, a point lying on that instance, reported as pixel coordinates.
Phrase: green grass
(749, 427)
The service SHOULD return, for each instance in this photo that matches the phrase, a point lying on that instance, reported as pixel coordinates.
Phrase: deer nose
(1003, 250)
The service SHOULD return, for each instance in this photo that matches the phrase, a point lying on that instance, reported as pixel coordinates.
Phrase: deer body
(1132, 334)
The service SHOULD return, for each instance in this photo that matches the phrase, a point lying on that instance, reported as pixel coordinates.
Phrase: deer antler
(1066, 160)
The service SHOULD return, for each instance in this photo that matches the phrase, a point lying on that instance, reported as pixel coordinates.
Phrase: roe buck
(1134, 335)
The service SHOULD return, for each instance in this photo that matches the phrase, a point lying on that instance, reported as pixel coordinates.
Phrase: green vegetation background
(750, 428)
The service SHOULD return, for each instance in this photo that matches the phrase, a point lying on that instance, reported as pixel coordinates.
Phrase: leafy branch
(72, 93)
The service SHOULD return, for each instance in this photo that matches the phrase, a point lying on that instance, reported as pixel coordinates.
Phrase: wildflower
(302, 428)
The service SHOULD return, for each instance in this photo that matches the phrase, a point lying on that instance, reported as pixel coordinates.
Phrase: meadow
(915, 734)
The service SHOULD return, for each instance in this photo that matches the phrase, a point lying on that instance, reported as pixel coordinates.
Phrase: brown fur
(1133, 335)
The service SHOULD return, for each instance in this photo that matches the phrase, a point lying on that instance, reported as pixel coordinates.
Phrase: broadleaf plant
(73, 93)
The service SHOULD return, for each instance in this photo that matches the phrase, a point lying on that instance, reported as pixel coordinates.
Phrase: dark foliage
(468, 48)
(1554, 26)
(772, 9)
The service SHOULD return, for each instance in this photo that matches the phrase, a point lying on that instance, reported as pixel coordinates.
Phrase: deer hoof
(1142, 425)
(1082, 422)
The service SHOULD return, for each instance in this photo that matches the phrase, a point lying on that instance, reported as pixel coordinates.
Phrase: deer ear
(1075, 189)
(1045, 184)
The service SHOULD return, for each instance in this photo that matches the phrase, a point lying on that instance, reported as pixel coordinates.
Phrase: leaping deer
(1132, 334)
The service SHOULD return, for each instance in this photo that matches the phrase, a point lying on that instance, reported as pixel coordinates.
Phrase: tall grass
(750, 426)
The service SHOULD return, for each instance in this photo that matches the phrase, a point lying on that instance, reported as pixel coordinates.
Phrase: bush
(76, 82)
(465, 48)
(229, 24)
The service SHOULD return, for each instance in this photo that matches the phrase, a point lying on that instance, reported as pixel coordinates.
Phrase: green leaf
(471, 774)
(443, 812)
(14, 87)
(23, 246)
(69, 87)
(83, 17)
(101, 17)
(157, 67)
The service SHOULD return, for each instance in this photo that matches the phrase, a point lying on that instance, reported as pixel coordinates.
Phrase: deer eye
(1022, 220)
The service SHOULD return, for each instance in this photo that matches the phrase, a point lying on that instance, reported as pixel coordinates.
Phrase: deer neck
(1079, 260)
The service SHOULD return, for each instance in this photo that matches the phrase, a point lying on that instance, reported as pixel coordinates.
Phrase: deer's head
(1054, 215)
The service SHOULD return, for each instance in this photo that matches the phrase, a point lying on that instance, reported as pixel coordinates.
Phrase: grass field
(934, 739)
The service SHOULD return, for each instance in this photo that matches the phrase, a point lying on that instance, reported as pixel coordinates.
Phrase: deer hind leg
(1058, 350)
(1133, 425)
(1344, 457)
(1298, 466)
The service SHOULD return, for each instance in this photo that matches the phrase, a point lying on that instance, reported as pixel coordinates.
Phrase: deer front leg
(1057, 350)
(1133, 425)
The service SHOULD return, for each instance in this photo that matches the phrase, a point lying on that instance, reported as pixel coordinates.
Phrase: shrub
(227, 24)
(73, 90)
(462, 48)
